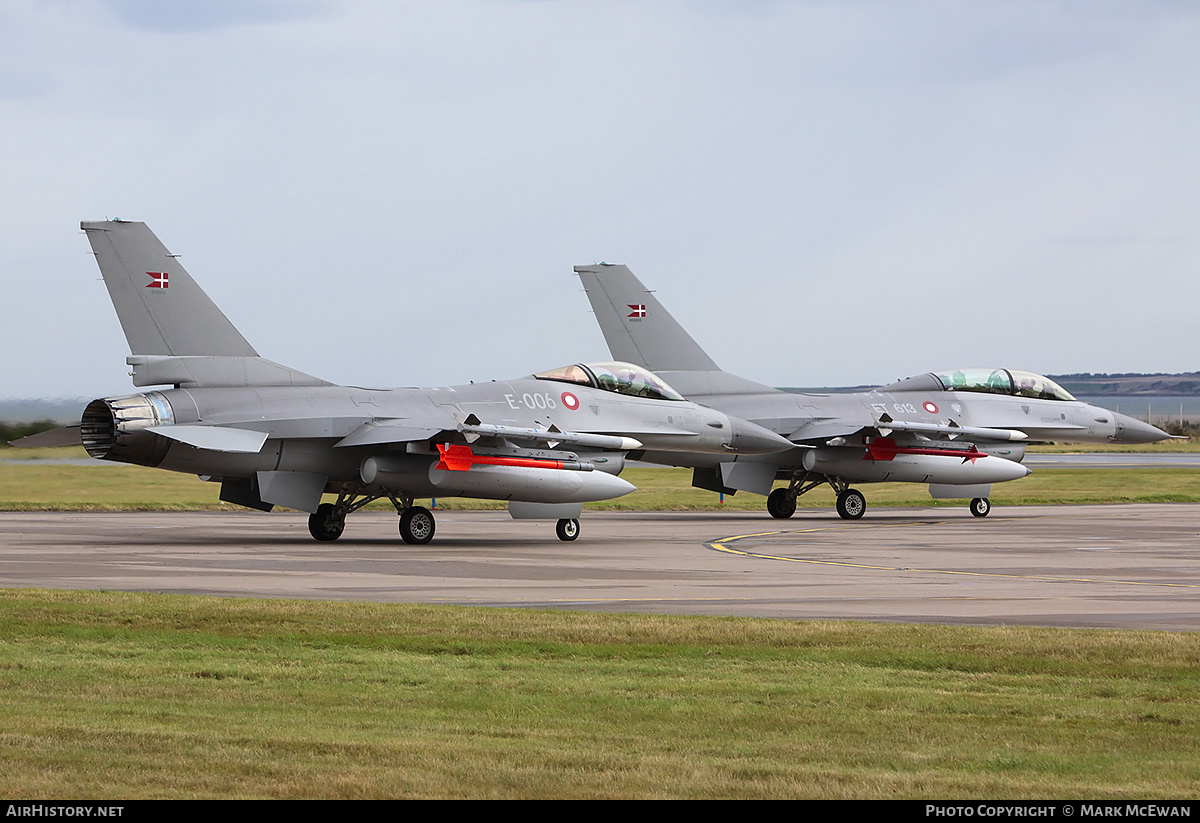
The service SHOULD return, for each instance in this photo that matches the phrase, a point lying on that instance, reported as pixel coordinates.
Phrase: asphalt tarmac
(1125, 566)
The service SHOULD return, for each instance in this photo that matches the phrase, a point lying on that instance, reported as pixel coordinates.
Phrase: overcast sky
(824, 193)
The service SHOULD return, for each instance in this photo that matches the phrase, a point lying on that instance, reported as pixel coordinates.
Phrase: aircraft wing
(823, 430)
(381, 432)
(472, 429)
(404, 430)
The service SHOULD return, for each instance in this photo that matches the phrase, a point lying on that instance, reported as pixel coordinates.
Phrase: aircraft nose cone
(750, 438)
(1132, 430)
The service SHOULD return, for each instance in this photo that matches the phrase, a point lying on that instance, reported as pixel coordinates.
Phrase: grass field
(108, 695)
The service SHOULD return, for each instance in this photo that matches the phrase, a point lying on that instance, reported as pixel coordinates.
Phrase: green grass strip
(108, 695)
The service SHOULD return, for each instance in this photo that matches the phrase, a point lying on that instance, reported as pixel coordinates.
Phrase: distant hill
(1086, 384)
(1129, 385)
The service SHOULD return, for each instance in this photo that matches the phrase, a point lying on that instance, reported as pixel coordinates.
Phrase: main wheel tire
(567, 529)
(324, 524)
(781, 504)
(980, 506)
(416, 525)
(851, 505)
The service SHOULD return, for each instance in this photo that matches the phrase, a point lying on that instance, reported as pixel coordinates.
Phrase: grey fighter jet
(272, 435)
(959, 431)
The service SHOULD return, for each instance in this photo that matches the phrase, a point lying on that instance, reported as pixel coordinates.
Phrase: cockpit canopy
(622, 378)
(1003, 381)
(989, 381)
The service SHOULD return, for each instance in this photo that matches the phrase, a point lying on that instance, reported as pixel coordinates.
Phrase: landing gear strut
(329, 520)
(417, 523)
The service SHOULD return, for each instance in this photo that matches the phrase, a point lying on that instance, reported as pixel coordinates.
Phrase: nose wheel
(980, 506)
(567, 529)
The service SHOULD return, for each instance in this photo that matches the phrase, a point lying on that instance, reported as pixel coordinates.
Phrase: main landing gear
(851, 505)
(417, 524)
(329, 520)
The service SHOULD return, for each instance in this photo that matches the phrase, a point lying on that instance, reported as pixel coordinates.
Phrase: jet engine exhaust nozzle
(114, 428)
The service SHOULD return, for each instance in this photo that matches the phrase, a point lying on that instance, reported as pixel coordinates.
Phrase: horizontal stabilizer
(214, 438)
(62, 436)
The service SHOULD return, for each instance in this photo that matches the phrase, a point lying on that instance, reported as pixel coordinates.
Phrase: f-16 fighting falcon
(274, 436)
(959, 430)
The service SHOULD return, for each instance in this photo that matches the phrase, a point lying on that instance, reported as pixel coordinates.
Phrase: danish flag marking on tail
(158, 280)
(639, 309)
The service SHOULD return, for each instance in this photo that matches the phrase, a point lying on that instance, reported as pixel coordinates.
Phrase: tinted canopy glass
(621, 378)
(1003, 381)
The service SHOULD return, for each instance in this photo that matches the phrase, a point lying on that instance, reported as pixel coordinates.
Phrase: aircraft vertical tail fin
(639, 330)
(636, 326)
(175, 331)
(161, 308)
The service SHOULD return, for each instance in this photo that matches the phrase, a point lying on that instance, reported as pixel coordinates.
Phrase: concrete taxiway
(1129, 566)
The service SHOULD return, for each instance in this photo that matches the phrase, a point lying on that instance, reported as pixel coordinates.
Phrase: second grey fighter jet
(959, 431)
(272, 435)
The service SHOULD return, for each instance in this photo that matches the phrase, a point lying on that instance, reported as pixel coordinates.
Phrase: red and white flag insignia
(158, 280)
(639, 310)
